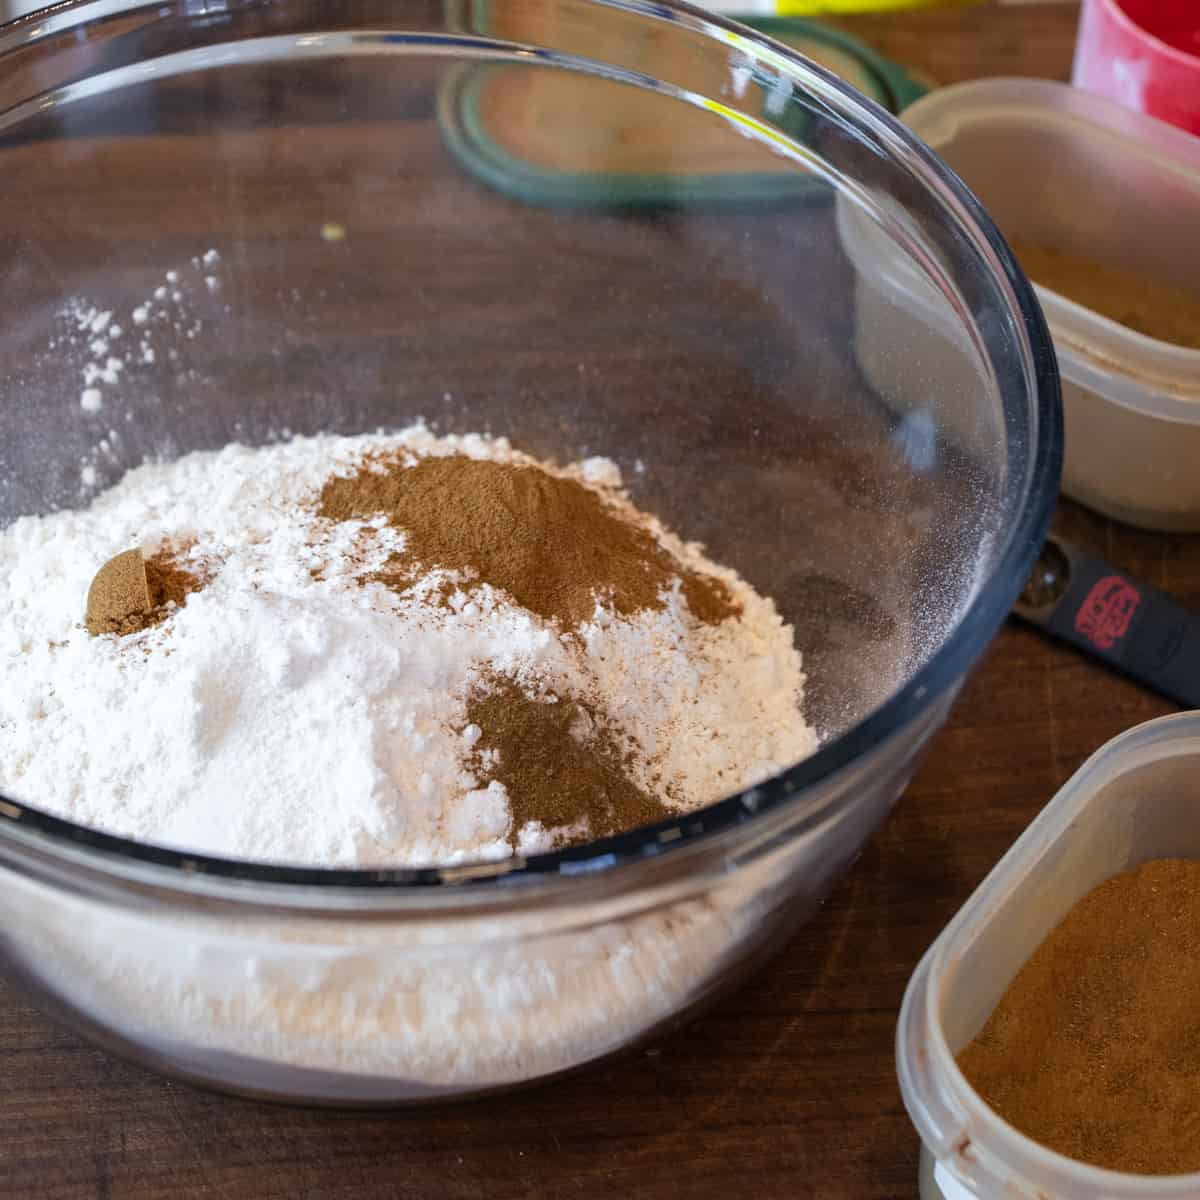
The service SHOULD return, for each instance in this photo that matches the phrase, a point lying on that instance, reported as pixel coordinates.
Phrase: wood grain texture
(948, 45)
(788, 1087)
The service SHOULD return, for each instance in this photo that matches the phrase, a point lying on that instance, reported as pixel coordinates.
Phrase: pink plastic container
(1144, 54)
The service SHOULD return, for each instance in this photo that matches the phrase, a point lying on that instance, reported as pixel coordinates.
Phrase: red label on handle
(1103, 618)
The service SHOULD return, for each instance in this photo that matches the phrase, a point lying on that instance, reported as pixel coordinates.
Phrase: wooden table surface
(788, 1087)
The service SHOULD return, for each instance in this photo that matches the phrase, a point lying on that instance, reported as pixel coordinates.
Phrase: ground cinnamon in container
(552, 543)
(1145, 305)
(1094, 1050)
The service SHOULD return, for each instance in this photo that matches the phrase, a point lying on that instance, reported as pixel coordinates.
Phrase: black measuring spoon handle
(1122, 621)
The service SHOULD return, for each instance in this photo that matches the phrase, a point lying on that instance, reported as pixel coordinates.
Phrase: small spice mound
(560, 762)
(553, 544)
(170, 584)
(1094, 1050)
(1159, 310)
(130, 593)
(119, 593)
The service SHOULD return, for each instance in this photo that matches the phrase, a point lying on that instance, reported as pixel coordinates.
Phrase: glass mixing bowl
(615, 228)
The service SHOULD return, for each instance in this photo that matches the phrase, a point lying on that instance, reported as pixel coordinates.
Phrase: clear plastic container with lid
(1134, 800)
(1076, 172)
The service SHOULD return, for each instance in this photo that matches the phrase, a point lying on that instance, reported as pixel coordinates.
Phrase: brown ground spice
(118, 592)
(130, 610)
(1094, 1050)
(552, 544)
(559, 761)
(1159, 310)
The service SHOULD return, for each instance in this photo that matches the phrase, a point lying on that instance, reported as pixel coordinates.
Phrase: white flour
(284, 717)
(431, 1002)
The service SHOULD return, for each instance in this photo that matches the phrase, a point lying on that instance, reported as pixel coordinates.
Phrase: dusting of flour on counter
(298, 710)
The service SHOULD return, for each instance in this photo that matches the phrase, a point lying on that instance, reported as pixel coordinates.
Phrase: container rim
(1054, 100)
(988, 1139)
(1031, 503)
(1082, 362)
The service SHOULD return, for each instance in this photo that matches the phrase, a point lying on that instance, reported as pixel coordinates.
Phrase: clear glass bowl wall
(597, 228)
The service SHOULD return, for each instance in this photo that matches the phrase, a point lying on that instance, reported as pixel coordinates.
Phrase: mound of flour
(293, 711)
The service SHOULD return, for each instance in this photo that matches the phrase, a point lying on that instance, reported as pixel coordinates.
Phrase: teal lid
(502, 131)
(888, 83)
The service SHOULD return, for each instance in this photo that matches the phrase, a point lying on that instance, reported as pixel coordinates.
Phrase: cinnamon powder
(133, 607)
(560, 760)
(1145, 305)
(552, 543)
(1094, 1050)
(118, 592)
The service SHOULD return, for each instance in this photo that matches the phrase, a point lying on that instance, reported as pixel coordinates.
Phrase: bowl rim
(118, 859)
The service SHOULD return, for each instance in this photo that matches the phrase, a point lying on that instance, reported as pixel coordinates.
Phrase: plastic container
(1134, 800)
(705, 349)
(1144, 54)
(1072, 170)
